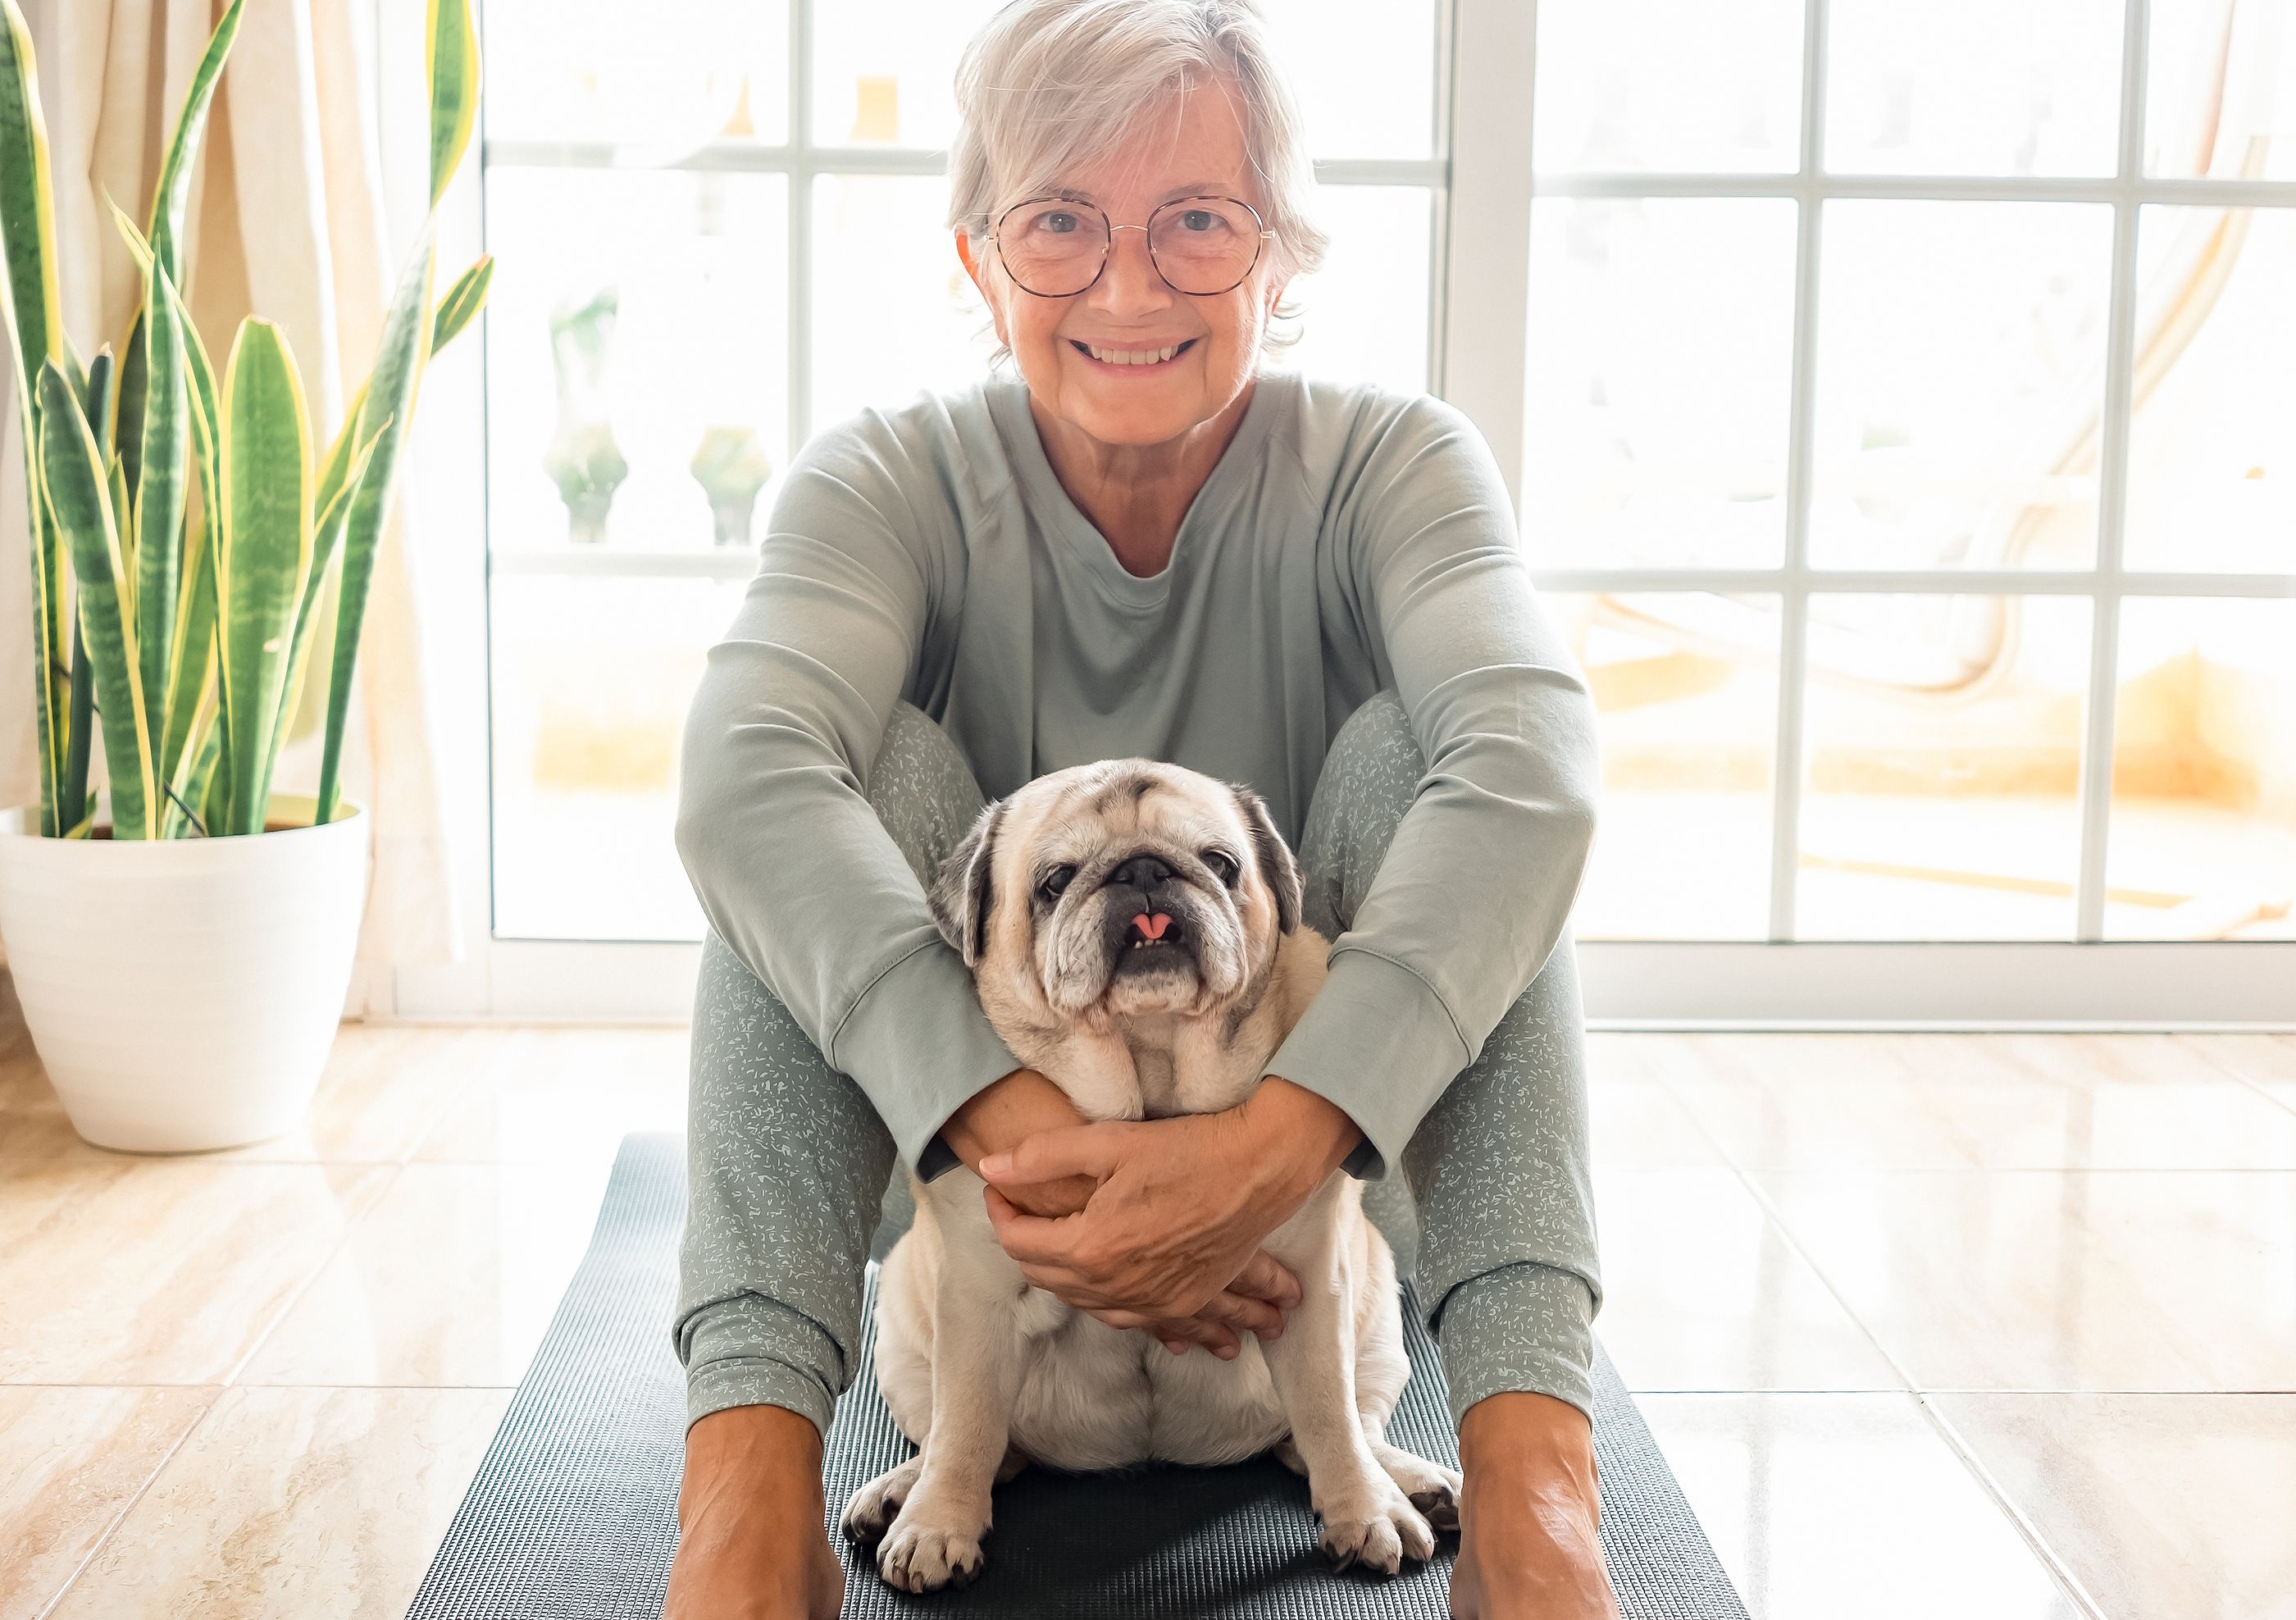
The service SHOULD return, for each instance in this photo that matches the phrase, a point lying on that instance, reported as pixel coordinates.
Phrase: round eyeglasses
(1056, 247)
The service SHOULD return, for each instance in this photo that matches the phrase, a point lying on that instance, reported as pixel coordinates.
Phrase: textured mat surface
(573, 1511)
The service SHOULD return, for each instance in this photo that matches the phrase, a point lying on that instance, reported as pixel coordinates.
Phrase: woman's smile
(1140, 361)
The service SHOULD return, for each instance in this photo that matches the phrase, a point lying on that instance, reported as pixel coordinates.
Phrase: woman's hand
(1182, 1206)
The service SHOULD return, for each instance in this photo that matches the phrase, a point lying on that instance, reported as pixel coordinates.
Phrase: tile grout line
(232, 1375)
(2058, 1569)
(96, 1547)
(2243, 1077)
(229, 1382)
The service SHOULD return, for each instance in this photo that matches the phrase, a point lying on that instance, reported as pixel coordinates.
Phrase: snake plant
(185, 532)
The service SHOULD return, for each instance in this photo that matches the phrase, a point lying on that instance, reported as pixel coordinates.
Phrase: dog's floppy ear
(1277, 864)
(961, 895)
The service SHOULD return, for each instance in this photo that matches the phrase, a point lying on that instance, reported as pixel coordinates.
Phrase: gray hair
(1049, 87)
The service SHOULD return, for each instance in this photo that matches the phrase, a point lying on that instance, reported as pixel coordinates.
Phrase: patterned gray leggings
(790, 1171)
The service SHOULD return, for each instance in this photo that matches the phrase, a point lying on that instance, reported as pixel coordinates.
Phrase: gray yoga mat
(573, 1512)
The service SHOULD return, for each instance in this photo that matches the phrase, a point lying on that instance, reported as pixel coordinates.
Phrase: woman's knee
(1371, 775)
(922, 789)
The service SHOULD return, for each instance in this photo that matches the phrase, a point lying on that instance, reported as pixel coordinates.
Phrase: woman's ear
(977, 267)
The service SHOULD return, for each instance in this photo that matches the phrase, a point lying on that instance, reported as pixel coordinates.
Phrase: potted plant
(182, 949)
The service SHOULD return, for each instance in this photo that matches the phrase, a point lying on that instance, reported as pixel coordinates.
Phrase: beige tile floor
(1928, 1325)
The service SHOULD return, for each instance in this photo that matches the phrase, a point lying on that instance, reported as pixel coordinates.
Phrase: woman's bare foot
(750, 1541)
(1527, 1539)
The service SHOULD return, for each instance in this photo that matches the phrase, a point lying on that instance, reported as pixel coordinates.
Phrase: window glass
(592, 678)
(1657, 381)
(2220, 102)
(697, 71)
(1688, 85)
(1685, 688)
(2202, 841)
(1972, 87)
(2212, 450)
(1960, 384)
(635, 342)
(1941, 770)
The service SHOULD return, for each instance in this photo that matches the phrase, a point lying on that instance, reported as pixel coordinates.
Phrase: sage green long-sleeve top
(1349, 539)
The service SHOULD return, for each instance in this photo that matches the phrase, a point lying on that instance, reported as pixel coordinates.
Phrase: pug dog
(1134, 930)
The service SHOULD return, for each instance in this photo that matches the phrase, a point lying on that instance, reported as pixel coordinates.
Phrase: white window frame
(1483, 183)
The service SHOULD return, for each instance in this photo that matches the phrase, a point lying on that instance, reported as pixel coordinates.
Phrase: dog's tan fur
(987, 1374)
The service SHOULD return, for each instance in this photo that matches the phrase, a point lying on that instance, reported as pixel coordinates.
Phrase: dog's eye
(1223, 866)
(1055, 881)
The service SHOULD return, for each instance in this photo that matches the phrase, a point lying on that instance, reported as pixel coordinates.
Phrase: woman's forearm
(997, 1119)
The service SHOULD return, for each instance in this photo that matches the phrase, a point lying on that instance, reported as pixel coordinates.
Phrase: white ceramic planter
(182, 993)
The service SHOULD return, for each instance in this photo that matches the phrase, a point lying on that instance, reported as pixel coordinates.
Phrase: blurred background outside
(2016, 660)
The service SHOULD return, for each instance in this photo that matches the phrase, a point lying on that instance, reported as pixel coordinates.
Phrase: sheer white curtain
(286, 221)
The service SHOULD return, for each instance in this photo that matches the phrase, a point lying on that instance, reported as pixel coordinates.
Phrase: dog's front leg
(1366, 1517)
(980, 1344)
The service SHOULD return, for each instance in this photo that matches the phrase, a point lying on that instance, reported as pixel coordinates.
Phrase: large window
(1910, 447)
(717, 232)
(1900, 400)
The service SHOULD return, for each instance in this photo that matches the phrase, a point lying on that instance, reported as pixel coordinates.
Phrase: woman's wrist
(1300, 1135)
(1000, 1115)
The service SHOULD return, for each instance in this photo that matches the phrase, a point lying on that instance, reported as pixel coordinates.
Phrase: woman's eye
(1055, 881)
(1199, 219)
(1058, 225)
(1223, 866)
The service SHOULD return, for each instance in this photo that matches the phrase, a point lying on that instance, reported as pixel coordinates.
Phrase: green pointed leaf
(189, 785)
(75, 494)
(190, 652)
(97, 403)
(453, 56)
(388, 407)
(31, 306)
(28, 210)
(263, 556)
(327, 529)
(462, 302)
(335, 469)
(171, 195)
(165, 468)
(72, 803)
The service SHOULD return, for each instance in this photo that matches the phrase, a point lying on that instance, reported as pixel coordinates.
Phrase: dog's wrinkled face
(1117, 889)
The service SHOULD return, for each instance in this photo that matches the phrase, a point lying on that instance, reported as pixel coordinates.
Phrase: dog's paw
(870, 1511)
(1380, 1539)
(920, 1558)
(1432, 1488)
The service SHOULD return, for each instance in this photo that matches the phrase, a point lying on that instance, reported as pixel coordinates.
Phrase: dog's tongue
(1152, 926)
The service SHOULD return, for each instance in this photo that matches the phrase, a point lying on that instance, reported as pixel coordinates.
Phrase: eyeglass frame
(995, 232)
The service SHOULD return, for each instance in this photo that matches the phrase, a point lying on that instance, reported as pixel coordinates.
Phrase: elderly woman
(1146, 544)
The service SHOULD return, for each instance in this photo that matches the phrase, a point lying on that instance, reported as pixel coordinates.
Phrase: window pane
(579, 71)
(592, 678)
(884, 70)
(666, 295)
(2212, 451)
(1941, 788)
(1363, 314)
(1692, 86)
(893, 309)
(1960, 381)
(2218, 98)
(1686, 685)
(1363, 72)
(1658, 376)
(2203, 835)
(1973, 86)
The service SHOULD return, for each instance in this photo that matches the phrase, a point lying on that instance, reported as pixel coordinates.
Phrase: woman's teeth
(1133, 357)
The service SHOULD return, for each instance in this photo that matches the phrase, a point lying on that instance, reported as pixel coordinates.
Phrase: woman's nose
(1130, 281)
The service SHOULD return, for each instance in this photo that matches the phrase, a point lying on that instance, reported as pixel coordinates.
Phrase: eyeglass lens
(1054, 247)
